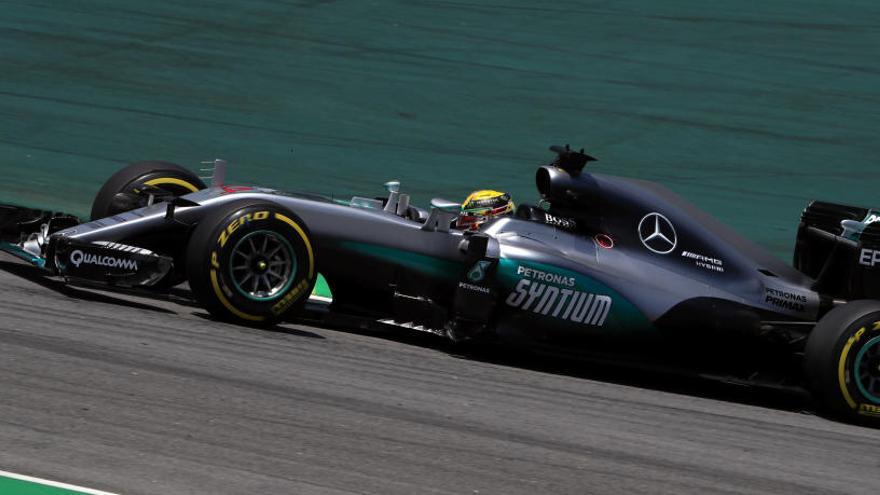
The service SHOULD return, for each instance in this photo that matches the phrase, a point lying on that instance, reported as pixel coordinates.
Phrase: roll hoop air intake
(562, 180)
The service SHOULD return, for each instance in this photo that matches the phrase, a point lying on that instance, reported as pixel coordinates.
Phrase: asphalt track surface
(139, 396)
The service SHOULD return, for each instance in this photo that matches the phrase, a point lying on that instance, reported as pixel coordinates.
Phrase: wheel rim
(262, 265)
(866, 369)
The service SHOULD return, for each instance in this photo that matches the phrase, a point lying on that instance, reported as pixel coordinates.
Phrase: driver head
(482, 206)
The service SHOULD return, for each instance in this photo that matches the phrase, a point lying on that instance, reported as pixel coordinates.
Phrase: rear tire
(842, 362)
(251, 263)
(163, 175)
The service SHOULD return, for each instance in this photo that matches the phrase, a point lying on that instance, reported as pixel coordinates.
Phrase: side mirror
(393, 188)
(443, 212)
(446, 206)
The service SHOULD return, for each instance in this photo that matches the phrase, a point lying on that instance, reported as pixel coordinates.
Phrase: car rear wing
(839, 246)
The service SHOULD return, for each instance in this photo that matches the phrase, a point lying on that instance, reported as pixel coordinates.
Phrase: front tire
(251, 263)
(123, 190)
(842, 362)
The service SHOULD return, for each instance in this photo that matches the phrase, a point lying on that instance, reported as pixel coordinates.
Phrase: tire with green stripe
(131, 180)
(842, 362)
(251, 262)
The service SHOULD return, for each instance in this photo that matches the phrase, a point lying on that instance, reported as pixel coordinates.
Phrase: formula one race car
(612, 267)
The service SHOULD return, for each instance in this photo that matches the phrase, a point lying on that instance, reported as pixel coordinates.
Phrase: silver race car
(602, 266)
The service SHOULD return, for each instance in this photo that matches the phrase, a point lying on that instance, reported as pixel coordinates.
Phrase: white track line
(54, 484)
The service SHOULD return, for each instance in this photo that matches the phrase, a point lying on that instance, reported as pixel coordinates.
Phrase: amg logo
(78, 258)
(786, 300)
(704, 262)
(566, 304)
(869, 257)
(553, 278)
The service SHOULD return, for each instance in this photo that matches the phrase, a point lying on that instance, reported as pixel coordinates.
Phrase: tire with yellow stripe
(132, 179)
(842, 362)
(251, 263)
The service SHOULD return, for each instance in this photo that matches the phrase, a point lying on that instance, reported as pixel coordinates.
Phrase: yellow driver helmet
(482, 206)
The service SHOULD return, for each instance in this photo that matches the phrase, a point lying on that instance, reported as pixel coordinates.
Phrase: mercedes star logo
(657, 233)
